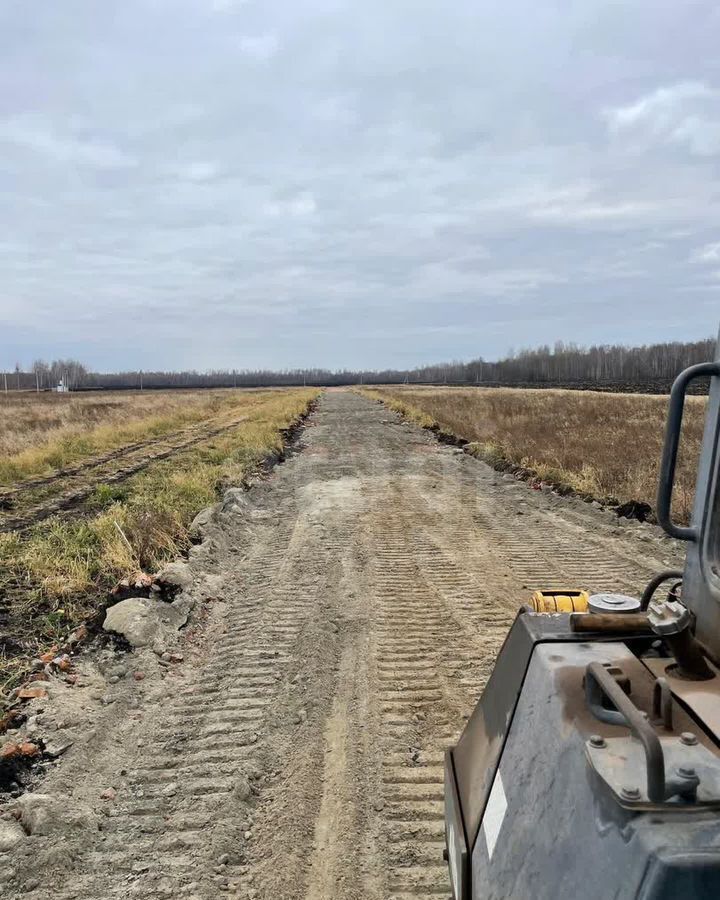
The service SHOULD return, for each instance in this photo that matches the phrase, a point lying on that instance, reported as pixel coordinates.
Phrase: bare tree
(41, 370)
(650, 368)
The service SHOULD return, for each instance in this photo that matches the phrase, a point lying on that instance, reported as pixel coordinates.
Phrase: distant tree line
(650, 367)
(45, 376)
(568, 363)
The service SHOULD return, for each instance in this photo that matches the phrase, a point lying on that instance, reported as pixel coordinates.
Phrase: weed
(602, 444)
(59, 574)
(105, 495)
(46, 432)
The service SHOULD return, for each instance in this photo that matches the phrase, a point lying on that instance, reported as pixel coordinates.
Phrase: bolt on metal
(629, 792)
(688, 738)
(597, 741)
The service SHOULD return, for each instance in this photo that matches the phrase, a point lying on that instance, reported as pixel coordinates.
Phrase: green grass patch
(57, 575)
(77, 443)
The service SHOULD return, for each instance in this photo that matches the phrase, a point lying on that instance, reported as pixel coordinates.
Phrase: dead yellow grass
(43, 432)
(59, 573)
(607, 445)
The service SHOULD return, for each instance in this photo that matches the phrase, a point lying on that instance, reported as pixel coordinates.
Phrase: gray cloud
(229, 182)
(686, 114)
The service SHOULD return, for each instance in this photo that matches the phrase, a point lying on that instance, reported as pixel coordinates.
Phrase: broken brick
(13, 749)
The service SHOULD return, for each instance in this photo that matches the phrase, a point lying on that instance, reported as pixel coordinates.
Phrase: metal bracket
(635, 768)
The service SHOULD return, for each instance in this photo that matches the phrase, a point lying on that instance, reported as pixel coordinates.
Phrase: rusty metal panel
(702, 697)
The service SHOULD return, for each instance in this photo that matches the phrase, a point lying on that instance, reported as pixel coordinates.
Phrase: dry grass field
(606, 445)
(57, 572)
(42, 432)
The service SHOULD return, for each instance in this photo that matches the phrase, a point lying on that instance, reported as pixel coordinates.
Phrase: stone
(141, 620)
(202, 521)
(201, 555)
(14, 749)
(43, 814)
(36, 691)
(234, 500)
(11, 834)
(634, 510)
(242, 790)
(182, 605)
(176, 574)
(212, 586)
(53, 749)
(117, 671)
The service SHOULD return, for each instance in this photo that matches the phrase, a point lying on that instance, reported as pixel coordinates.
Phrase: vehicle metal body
(591, 765)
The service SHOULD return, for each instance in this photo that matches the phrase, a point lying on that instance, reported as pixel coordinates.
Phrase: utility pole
(37, 382)
(141, 387)
(5, 377)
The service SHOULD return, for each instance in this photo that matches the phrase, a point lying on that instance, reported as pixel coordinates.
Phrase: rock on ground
(177, 575)
(202, 522)
(140, 620)
(11, 834)
(43, 814)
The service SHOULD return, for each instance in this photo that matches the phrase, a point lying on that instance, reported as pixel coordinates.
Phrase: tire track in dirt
(94, 462)
(363, 591)
(75, 495)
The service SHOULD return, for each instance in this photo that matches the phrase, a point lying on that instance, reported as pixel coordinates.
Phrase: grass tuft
(599, 444)
(45, 432)
(59, 573)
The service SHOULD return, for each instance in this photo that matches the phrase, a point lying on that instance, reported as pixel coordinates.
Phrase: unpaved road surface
(348, 614)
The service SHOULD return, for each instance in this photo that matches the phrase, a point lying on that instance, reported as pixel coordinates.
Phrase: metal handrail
(599, 682)
(670, 448)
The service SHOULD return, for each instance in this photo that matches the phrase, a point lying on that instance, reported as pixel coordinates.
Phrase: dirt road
(349, 611)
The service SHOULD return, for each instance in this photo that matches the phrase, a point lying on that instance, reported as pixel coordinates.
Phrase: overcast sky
(219, 183)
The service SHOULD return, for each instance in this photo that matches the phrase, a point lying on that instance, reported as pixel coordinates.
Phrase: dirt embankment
(603, 447)
(288, 742)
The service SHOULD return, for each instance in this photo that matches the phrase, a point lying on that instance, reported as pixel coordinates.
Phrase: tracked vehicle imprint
(359, 597)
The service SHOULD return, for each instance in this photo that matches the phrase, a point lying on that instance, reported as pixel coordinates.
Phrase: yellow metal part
(559, 601)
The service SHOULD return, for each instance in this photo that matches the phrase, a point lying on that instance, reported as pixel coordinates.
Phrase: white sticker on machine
(494, 814)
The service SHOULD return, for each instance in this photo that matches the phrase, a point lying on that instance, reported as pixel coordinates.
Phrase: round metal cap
(613, 603)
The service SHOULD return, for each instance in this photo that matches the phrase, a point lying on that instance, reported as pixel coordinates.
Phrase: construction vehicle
(591, 766)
